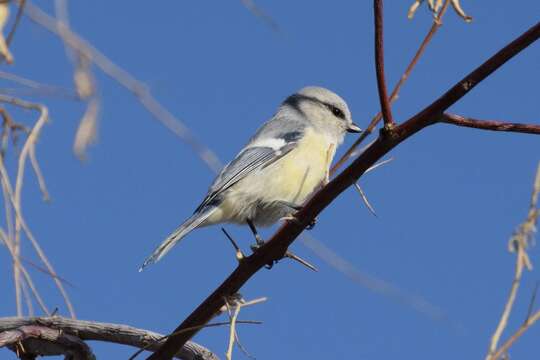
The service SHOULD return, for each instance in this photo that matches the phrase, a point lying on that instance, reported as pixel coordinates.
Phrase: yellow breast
(294, 177)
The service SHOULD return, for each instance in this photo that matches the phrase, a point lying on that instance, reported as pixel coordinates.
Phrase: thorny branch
(276, 247)
(520, 241)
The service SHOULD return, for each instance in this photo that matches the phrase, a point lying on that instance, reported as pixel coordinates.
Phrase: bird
(287, 158)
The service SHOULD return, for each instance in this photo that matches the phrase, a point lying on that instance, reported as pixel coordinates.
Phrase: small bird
(282, 164)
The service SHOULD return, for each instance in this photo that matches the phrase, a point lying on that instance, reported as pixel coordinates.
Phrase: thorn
(297, 258)
(239, 254)
(365, 199)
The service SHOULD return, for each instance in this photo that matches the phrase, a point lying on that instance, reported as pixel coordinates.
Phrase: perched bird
(270, 178)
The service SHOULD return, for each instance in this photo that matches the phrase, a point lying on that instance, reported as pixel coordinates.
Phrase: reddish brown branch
(276, 247)
(437, 23)
(494, 125)
(433, 112)
(379, 65)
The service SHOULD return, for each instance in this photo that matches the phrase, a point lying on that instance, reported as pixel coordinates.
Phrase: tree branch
(494, 125)
(437, 23)
(30, 341)
(379, 64)
(90, 330)
(276, 247)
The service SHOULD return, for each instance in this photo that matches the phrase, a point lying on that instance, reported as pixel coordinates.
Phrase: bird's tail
(190, 224)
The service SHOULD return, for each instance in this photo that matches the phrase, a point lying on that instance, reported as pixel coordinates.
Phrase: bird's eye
(337, 112)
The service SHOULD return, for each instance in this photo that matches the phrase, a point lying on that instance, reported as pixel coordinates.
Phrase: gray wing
(251, 159)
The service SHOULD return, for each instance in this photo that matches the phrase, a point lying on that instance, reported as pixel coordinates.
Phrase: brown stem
(379, 65)
(437, 23)
(276, 247)
(493, 125)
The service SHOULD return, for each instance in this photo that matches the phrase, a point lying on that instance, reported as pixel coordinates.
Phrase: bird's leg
(260, 242)
(258, 239)
(253, 229)
(239, 254)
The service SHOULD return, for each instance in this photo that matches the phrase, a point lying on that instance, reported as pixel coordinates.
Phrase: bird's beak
(353, 128)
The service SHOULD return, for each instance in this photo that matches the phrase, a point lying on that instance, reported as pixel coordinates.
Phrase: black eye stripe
(294, 101)
(336, 111)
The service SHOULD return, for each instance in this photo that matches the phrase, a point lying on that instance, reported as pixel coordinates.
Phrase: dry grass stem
(15, 195)
(503, 350)
(87, 131)
(27, 279)
(39, 174)
(520, 241)
(234, 304)
(4, 16)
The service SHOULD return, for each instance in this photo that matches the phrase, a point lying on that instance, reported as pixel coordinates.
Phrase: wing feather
(246, 162)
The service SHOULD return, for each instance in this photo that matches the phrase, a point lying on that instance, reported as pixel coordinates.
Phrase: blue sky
(446, 205)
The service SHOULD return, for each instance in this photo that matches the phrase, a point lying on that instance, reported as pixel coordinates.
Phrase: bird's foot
(294, 219)
(312, 224)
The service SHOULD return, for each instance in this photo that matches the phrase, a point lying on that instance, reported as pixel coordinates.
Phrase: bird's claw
(294, 219)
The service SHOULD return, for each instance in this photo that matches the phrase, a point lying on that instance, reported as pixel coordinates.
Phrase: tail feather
(189, 225)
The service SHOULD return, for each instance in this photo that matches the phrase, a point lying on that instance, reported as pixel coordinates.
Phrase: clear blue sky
(447, 204)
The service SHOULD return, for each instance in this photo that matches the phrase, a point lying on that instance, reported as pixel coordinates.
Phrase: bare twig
(275, 248)
(4, 48)
(14, 196)
(35, 340)
(493, 125)
(16, 23)
(379, 65)
(234, 304)
(39, 174)
(34, 85)
(519, 243)
(437, 23)
(522, 329)
(113, 333)
(362, 193)
(17, 262)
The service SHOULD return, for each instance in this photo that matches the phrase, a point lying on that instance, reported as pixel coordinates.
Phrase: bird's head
(324, 109)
